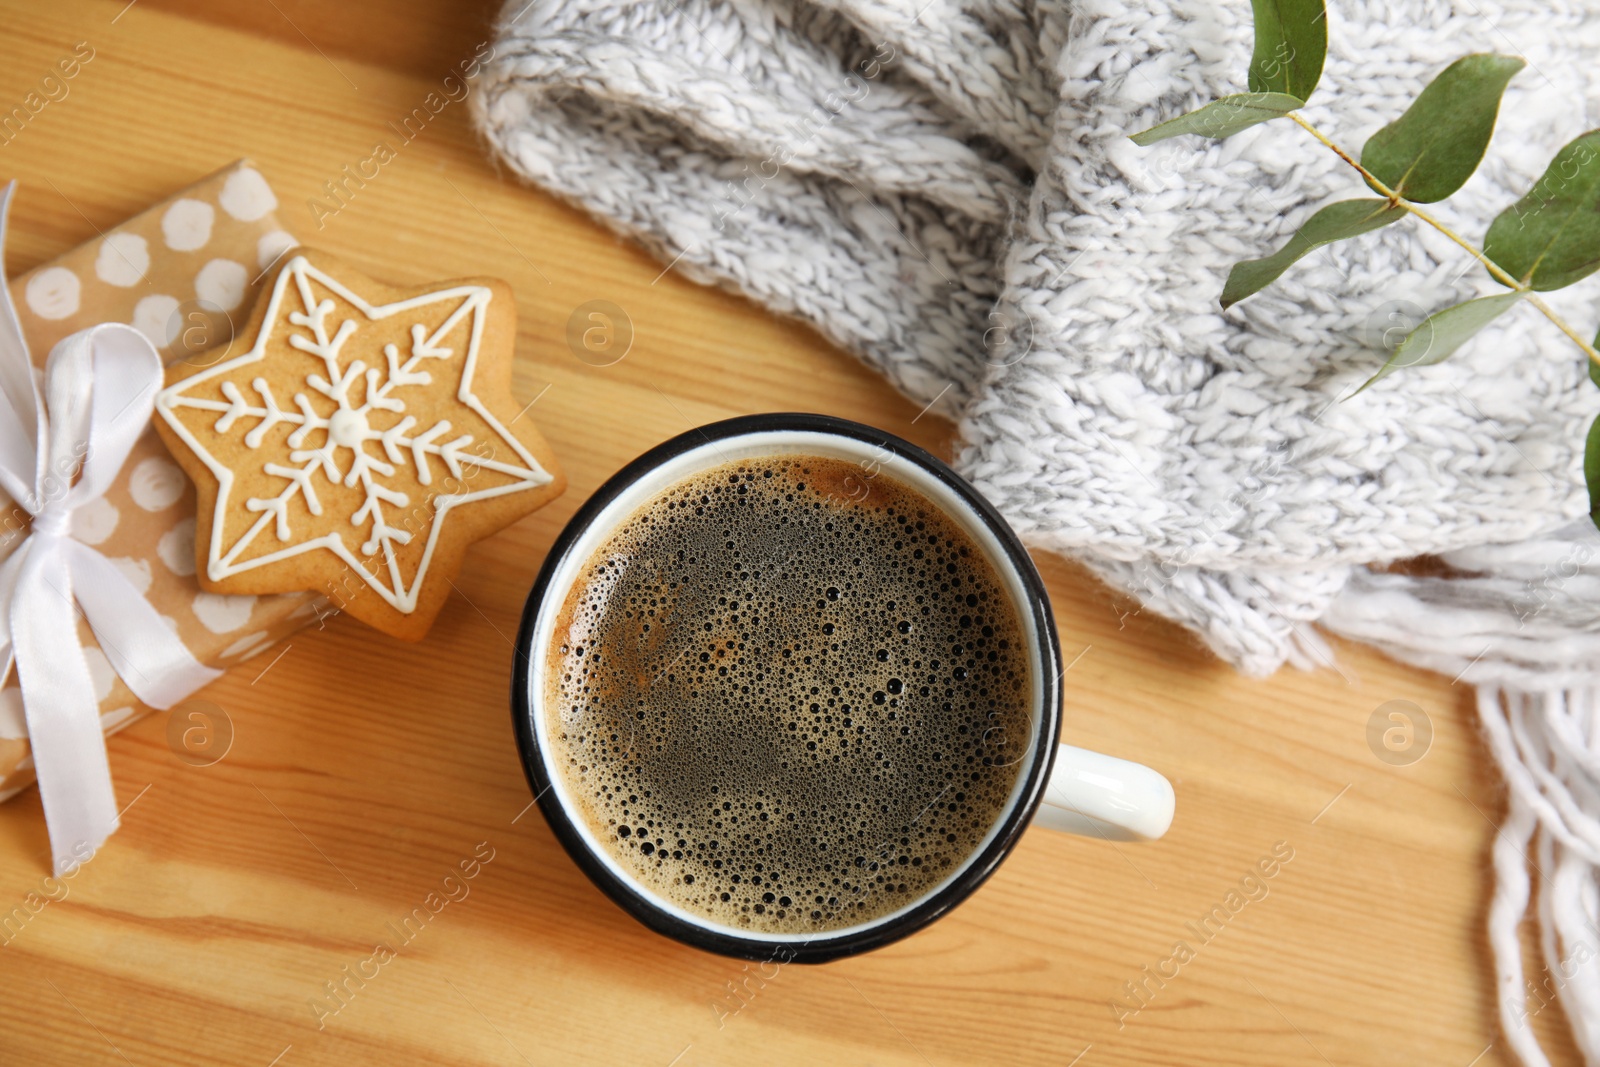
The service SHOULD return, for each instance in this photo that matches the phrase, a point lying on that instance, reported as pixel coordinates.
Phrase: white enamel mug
(1058, 786)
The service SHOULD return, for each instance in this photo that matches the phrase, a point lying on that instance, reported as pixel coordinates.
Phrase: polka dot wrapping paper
(182, 273)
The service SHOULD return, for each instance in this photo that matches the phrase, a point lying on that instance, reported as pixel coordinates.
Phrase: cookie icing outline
(299, 272)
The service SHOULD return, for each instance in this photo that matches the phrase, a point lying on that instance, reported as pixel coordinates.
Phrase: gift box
(183, 274)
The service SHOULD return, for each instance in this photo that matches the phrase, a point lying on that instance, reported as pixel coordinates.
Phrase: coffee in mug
(786, 705)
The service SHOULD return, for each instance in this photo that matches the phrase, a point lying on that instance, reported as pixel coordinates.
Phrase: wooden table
(363, 770)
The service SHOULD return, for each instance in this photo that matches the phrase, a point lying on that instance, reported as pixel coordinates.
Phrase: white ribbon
(59, 451)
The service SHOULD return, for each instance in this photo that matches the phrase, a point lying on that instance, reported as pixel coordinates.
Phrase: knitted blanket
(948, 191)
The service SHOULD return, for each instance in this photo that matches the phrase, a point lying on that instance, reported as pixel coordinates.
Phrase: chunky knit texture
(949, 192)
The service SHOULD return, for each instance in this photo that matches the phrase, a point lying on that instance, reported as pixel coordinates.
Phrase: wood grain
(363, 771)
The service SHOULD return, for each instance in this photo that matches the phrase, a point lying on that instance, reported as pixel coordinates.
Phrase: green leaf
(1591, 470)
(1551, 237)
(1430, 151)
(1594, 368)
(1445, 331)
(1223, 118)
(1291, 43)
(1336, 222)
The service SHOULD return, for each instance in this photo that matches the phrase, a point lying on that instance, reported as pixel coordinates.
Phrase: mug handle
(1102, 796)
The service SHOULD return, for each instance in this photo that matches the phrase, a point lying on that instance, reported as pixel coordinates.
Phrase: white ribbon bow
(59, 451)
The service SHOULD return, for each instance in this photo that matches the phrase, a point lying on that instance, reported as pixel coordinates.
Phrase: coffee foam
(789, 697)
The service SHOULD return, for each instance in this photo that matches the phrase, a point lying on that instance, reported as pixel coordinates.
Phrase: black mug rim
(631, 898)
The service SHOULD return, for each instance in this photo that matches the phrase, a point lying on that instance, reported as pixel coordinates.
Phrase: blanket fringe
(1547, 745)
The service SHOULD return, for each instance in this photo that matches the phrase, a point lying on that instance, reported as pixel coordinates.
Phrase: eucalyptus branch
(1493, 268)
(1547, 240)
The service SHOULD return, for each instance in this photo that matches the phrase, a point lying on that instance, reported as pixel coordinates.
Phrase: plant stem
(1561, 324)
(1489, 264)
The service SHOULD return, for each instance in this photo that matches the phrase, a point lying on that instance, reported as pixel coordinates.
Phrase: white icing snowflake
(348, 428)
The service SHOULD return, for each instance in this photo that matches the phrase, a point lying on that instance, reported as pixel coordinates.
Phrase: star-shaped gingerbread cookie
(360, 443)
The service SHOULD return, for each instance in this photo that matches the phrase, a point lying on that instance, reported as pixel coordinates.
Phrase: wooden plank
(363, 771)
